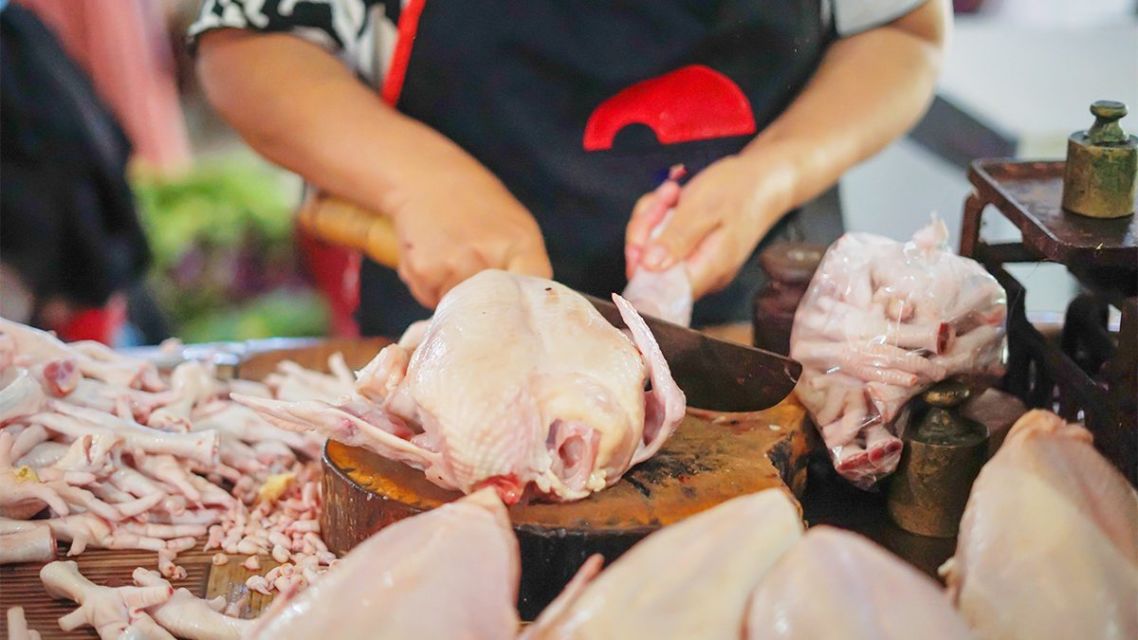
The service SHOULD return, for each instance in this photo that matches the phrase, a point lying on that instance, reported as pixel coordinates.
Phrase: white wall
(1032, 74)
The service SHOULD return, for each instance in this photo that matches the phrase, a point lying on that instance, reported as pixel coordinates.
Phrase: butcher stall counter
(710, 459)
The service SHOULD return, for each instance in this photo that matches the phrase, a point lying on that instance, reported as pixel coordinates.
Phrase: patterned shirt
(362, 33)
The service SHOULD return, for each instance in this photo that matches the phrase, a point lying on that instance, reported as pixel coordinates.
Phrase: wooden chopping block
(707, 461)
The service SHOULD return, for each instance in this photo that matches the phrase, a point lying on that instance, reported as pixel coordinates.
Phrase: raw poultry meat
(515, 381)
(1048, 544)
(664, 294)
(18, 626)
(21, 395)
(23, 345)
(26, 542)
(108, 610)
(190, 617)
(882, 321)
(448, 573)
(105, 452)
(866, 594)
(692, 579)
(293, 382)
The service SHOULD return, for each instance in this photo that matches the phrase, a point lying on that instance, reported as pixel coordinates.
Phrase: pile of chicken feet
(101, 451)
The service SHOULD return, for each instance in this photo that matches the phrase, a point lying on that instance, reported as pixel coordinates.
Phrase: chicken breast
(448, 573)
(865, 592)
(1048, 544)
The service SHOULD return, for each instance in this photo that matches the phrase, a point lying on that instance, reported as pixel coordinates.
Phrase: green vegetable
(282, 313)
(214, 203)
(225, 264)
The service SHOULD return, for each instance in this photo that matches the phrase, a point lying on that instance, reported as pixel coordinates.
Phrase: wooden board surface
(20, 585)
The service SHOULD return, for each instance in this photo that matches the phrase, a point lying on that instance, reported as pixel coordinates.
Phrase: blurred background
(225, 263)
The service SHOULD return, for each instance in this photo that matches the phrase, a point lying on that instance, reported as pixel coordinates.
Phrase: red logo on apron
(690, 103)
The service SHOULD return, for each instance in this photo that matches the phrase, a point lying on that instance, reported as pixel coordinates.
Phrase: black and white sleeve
(347, 28)
(851, 17)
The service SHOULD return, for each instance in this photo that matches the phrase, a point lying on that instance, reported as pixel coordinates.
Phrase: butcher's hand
(453, 217)
(718, 219)
(724, 211)
(457, 221)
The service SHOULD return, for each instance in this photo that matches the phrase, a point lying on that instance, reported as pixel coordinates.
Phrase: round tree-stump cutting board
(710, 459)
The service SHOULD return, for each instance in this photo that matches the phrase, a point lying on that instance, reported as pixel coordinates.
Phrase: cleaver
(714, 374)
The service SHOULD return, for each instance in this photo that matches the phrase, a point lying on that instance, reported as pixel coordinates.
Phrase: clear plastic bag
(881, 322)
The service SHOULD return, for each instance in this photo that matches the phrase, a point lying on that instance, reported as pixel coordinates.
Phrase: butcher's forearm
(868, 90)
(301, 108)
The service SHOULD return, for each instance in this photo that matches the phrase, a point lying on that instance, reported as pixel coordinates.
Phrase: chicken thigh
(689, 580)
(867, 594)
(448, 573)
(516, 382)
(1048, 544)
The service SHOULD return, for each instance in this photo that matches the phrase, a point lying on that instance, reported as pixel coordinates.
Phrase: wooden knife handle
(343, 223)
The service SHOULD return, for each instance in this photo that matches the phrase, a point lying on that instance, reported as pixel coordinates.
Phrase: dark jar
(789, 266)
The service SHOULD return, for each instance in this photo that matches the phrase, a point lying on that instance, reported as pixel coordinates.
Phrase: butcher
(532, 136)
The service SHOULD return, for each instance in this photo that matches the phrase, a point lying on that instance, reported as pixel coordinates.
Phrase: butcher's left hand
(721, 216)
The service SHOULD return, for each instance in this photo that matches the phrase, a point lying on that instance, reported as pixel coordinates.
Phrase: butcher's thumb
(680, 237)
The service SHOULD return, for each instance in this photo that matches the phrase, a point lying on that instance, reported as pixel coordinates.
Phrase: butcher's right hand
(457, 221)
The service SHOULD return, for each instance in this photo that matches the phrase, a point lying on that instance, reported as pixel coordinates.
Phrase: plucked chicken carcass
(448, 573)
(515, 381)
(1048, 544)
(689, 580)
(867, 594)
(882, 321)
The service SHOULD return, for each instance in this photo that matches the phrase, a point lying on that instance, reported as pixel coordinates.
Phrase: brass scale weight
(1102, 166)
(943, 454)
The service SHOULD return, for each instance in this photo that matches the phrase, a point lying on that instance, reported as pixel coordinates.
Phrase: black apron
(538, 90)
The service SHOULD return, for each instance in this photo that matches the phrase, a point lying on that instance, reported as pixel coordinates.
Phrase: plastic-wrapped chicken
(881, 322)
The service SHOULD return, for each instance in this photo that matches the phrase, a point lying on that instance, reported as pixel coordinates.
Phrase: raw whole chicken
(1048, 544)
(689, 580)
(515, 381)
(448, 573)
(867, 594)
(882, 321)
